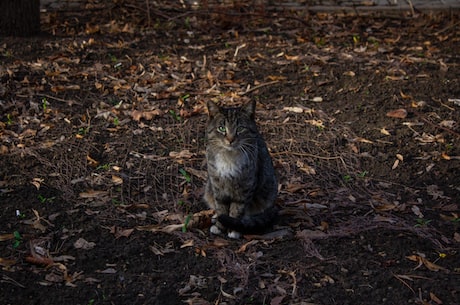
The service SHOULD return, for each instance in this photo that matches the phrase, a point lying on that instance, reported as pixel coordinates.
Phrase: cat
(241, 185)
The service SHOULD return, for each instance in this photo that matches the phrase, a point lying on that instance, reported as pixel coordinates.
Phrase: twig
(399, 277)
(7, 279)
(70, 102)
(306, 155)
(257, 87)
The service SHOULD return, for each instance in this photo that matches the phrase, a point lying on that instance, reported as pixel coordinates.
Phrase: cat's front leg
(217, 228)
(236, 211)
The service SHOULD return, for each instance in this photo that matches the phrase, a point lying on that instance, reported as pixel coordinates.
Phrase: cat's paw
(215, 230)
(234, 234)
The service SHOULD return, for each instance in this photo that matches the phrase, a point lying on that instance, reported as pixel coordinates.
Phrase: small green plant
(20, 214)
(187, 22)
(104, 166)
(44, 199)
(45, 104)
(186, 222)
(363, 174)
(9, 119)
(175, 116)
(347, 178)
(116, 121)
(116, 202)
(186, 175)
(185, 97)
(83, 130)
(356, 39)
(91, 301)
(17, 239)
(422, 222)
(113, 58)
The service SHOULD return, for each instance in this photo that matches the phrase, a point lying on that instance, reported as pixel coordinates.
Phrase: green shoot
(356, 39)
(83, 130)
(9, 119)
(422, 222)
(175, 115)
(44, 104)
(186, 222)
(17, 239)
(105, 166)
(185, 175)
(43, 199)
(116, 202)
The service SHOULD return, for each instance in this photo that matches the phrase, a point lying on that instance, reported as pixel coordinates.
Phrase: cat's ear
(213, 109)
(250, 109)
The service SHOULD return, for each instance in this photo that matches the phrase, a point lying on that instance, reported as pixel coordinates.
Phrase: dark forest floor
(102, 144)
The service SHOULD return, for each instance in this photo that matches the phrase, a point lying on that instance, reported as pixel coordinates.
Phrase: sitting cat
(241, 185)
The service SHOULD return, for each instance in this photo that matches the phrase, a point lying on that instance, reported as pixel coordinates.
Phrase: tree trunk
(19, 17)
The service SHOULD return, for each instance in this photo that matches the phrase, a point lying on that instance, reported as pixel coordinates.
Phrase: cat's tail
(252, 224)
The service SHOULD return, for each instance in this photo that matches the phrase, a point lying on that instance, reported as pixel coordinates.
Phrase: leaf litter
(113, 127)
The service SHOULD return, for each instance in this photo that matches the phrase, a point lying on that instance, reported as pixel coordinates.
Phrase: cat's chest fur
(228, 165)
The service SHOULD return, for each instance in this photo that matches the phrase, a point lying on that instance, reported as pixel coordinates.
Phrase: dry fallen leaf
(435, 299)
(384, 131)
(184, 154)
(423, 261)
(398, 113)
(93, 194)
(82, 243)
(293, 109)
(7, 262)
(117, 180)
(395, 164)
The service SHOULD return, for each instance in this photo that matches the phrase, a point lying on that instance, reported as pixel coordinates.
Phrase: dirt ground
(102, 146)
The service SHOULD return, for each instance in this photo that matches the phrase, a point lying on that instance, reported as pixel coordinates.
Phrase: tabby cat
(241, 185)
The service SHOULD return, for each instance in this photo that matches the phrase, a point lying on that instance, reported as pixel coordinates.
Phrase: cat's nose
(230, 138)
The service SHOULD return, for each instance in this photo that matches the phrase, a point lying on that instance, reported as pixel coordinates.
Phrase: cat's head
(231, 128)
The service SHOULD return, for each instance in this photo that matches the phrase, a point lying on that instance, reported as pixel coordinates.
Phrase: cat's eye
(240, 129)
(221, 129)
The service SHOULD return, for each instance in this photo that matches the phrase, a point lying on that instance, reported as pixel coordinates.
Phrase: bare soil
(102, 146)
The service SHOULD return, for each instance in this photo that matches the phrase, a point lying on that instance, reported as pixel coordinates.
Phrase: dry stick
(436, 125)
(7, 279)
(311, 156)
(398, 277)
(60, 99)
(257, 87)
(447, 28)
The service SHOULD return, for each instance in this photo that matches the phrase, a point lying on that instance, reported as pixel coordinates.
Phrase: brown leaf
(277, 300)
(184, 154)
(397, 113)
(148, 115)
(435, 299)
(7, 262)
(93, 194)
(117, 180)
(4, 237)
(82, 243)
(246, 245)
